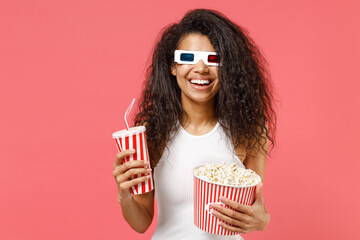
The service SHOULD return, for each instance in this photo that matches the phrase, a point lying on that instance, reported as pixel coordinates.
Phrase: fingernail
(221, 199)
(149, 170)
(132, 150)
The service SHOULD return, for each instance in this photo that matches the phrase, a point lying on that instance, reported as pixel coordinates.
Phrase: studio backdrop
(69, 69)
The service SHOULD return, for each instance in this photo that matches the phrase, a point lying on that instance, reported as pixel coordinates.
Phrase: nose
(201, 67)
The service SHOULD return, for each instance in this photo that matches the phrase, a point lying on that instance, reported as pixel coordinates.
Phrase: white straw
(127, 113)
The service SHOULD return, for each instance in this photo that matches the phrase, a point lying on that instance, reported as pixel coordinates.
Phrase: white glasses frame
(198, 55)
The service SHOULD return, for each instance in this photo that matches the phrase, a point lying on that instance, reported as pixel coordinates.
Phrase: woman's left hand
(246, 218)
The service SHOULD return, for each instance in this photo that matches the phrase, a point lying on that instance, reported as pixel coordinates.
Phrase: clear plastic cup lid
(125, 133)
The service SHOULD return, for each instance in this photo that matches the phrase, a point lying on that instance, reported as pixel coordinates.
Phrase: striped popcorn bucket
(135, 139)
(206, 193)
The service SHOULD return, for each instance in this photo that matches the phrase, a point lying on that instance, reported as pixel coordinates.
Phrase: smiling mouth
(201, 82)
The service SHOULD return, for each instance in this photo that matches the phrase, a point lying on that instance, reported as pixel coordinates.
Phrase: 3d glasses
(192, 57)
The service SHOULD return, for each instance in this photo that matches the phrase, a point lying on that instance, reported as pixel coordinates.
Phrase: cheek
(181, 83)
(183, 70)
(215, 71)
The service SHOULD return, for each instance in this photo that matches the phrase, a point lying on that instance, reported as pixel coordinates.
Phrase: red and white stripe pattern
(138, 142)
(206, 194)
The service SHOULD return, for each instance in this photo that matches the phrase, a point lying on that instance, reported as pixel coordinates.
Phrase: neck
(198, 115)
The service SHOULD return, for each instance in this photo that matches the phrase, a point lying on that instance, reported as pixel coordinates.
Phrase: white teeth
(198, 81)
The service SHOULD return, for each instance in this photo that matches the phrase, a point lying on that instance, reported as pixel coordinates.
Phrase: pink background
(68, 70)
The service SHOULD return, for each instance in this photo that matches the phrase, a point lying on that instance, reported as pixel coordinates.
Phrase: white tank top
(173, 181)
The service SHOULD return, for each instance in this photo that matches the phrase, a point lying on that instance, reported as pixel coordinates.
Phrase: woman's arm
(256, 161)
(247, 218)
(138, 211)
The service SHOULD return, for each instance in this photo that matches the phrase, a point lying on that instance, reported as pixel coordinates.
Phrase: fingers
(241, 218)
(227, 213)
(121, 155)
(125, 186)
(230, 220)
(130, 173)
(237, 206)
(233, 228)
(130, 165)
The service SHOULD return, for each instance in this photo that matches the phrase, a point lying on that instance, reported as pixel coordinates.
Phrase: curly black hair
(244, 102)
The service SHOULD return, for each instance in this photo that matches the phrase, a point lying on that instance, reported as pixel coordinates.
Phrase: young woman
(207, 99)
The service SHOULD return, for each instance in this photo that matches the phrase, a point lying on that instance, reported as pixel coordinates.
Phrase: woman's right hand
(124, 171)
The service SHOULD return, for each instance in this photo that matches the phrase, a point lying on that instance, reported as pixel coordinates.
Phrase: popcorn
(227, 174)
